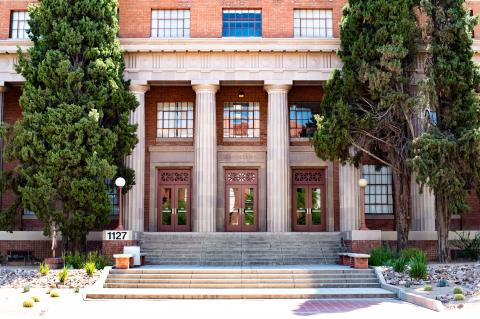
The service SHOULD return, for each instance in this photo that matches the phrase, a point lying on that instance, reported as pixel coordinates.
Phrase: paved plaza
(71, 305)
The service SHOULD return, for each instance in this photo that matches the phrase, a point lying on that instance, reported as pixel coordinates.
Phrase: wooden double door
(309, 200)
(173, 200)
(241, 200)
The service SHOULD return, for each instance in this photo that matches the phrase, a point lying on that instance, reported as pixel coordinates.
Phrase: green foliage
(35, 298)
(418, 268)
(78, 260)
(457, 290)
(446, 154)
(49, 291)
(90, 268)
(62, 276)
(44, 269)
(74, 260)
(428, 288)
(379, 256)
(411, 253)
(28, 303)
(54, 294)
(76, 290)
(368, 106)
(470, 247)
(26, 288)
(442, 283)
(400, 264)
(75, 131)
(458, 297)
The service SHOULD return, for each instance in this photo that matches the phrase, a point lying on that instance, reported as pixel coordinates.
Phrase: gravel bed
(20, 277)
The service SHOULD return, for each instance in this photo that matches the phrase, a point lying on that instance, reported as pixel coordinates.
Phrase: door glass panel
(182, 205)
(316, 206)
(301, 208)
(166, 206)
(233, 206)
(249, 205)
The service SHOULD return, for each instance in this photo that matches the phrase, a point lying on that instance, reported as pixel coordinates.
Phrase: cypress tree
(446, 155)
(75, 131)
(368, 109)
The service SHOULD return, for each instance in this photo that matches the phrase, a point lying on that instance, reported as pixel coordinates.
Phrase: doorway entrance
(309, 200)
(241, 200)
(173, 200)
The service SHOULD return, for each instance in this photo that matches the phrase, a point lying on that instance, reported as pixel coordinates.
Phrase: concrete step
(296, 293)
(227, 281)
(230, 285)
(226, 270)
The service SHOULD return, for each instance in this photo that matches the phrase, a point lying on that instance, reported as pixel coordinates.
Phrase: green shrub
(54, 294)
(49, 291)
(428, 288)
(418, 268)
(457, 290)
(28, 303)
(470, 247)
(26, 288)
(90, 268)
(442, 283)
(44, 269)
(379, 256)
(35, 298)
(98, 259)
(74, 260)
(413, 253)
(458, 297)
(63, 275)
(77, 290)
(399, 264)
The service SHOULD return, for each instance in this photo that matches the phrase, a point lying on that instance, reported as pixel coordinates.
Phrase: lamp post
(363, 183)
(120, 182)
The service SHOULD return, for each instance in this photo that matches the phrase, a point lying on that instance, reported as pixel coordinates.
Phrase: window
(28, 213)
(175, 119)
(302, 123)
(378, 193)
(19, 25)
(242, 23)
(170, 23)
(113, 194)
(241, 120)
(312, 23)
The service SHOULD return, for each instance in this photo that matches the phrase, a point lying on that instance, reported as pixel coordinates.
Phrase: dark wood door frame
(175, 180)
(309, 180)
(242, 180)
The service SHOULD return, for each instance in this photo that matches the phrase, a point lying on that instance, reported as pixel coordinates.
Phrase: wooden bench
(19, 255)
(123, 261)
(359, 261)
(143, 256)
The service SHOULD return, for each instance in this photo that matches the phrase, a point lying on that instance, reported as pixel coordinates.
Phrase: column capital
(3, 87)
(139, 88)
(205, 86)
(278, 86)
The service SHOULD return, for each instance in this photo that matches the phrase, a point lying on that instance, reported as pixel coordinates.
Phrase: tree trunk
(401, 193)
(442, 222)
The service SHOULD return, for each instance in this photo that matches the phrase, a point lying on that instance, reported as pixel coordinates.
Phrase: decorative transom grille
(174, 176)
(239, 177)
(307, 177)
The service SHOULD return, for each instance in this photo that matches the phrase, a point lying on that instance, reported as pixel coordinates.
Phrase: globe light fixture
(120, 182)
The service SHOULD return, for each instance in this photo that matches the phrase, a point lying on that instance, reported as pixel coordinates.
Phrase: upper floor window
(241, 120)
(242, 23)
(175, 119)
(170, 23)
(313, 23)
(378, 193)
(19, 25)
(302, 123)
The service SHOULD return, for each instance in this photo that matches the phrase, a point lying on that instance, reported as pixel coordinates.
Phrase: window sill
(379, 216)
(241, 139)
(29, 217)
(173, 139)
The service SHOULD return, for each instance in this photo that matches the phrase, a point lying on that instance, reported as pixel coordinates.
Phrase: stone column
(349, 198)
(134, 200)
(205, 166)
(423, 208)
(278, 168)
